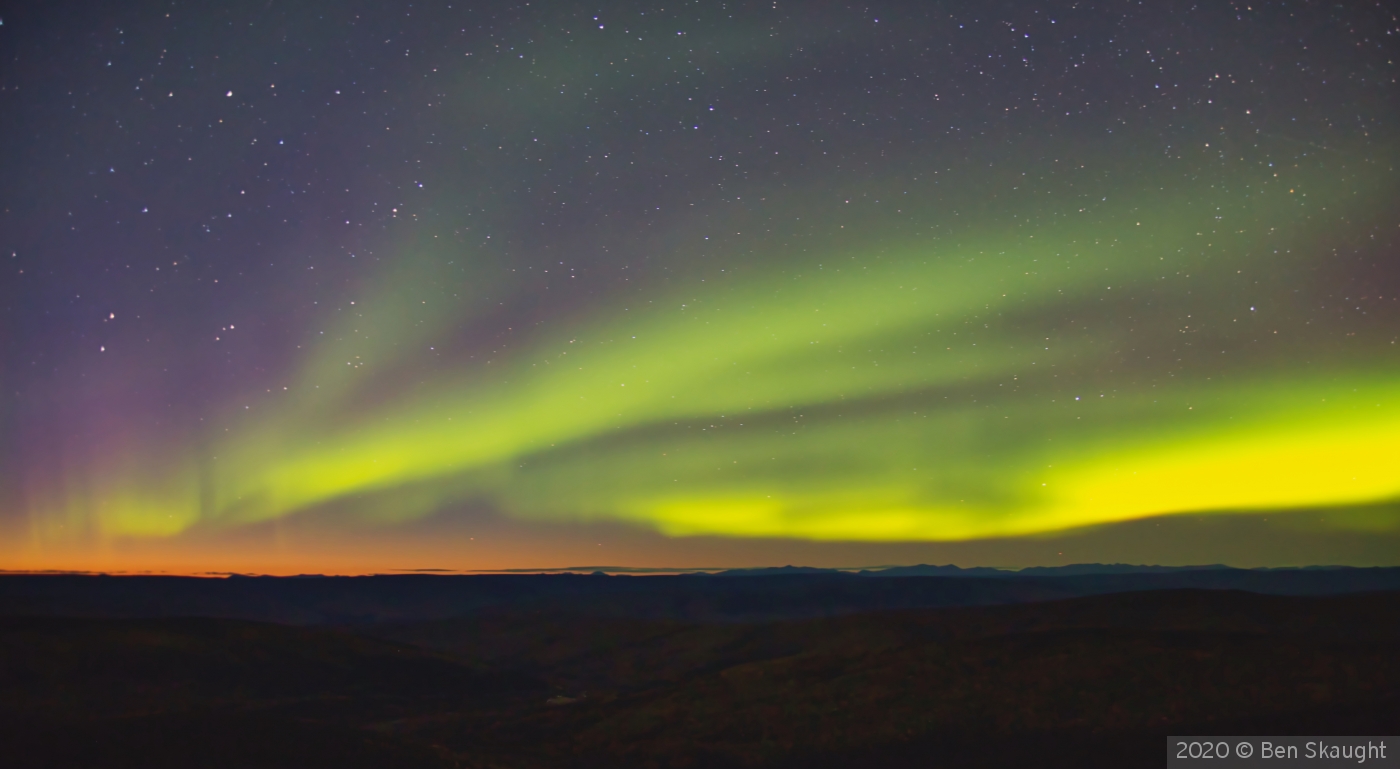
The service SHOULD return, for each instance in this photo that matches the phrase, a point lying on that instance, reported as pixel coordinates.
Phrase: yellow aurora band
(1109, 362)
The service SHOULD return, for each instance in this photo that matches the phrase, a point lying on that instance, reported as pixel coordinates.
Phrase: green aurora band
(1088, 365)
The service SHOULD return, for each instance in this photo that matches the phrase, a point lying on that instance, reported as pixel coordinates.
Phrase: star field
(507, 284)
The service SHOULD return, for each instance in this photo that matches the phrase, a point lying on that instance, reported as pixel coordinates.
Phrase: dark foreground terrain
(1093, 680)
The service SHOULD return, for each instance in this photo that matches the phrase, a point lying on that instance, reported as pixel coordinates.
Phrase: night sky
(347, 287)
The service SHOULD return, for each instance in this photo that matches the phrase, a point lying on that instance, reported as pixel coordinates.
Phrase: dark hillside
(1113, 669)
(1090, 681)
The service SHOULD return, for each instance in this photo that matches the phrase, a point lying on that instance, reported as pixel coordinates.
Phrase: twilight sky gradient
(354, 287)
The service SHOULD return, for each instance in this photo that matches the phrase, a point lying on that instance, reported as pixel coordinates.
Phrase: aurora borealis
(351, 287)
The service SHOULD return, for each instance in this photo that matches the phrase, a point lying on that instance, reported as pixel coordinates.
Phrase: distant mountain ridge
(734, 596)
(1075, 569)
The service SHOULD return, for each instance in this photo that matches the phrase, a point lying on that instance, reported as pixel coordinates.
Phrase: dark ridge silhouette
(780, 594)
(1076, 569)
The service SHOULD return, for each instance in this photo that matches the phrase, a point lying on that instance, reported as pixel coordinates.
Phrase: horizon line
(656, 570)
